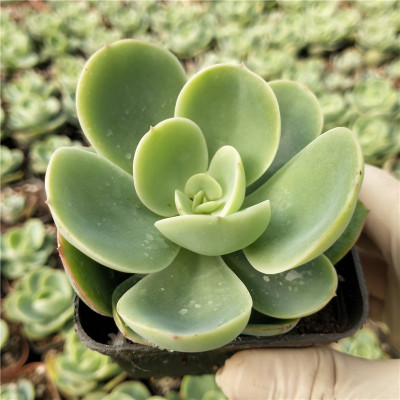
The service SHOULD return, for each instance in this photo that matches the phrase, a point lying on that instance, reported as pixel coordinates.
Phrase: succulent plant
(378, 138)
(164, 195)
(309, 72)
(42, 301)
(336, 110)
(12, 207)
(329, 26)
(23, 389)
(25, 248)
(41, 151)
(77, 370)
(33, 108)
(67, 70)
(97, 37)
(365, 344)
(376, 97)
(240, 12)
(17, 48)
(11, 160)
(129, 18)
(201, 387)
(378, 44)
(47, 29)
(79, 19)
(185, 31)
(348, 61)
(129, 390)
(270, 63)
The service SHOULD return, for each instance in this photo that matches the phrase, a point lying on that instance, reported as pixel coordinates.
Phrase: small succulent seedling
(33, 106)
(17, 47)
(22, 389)
(41, 151)
(42, 301)
(206, 198)
(11, 162)
(25, 248)
(12, 206)
(128, 390)
(77, 370)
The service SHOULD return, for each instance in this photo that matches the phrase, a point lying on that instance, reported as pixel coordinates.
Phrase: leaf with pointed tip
(122, 326)
(313, 198)
(94, 283)
(95, 207)
(295, 293)
(349, 237)
(174, 309)
(233, 106)
(212, 235)
(166, 157)
(263, 325)
(302, 121)
(226, 168)
(125, 88)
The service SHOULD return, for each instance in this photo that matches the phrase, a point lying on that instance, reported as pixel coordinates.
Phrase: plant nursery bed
(342, 317)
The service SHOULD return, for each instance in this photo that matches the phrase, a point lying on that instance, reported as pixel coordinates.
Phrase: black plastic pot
(343, 316)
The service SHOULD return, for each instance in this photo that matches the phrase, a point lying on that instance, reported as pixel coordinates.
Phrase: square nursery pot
(340, 318)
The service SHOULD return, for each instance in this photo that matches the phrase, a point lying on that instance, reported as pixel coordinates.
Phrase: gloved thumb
(310, 373)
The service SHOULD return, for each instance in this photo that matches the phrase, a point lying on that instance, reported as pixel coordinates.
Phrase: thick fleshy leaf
(183, 203)
(203, 181)
(166, 157)
(175, 310)
(263, 325)
(227, 169)
(96, 209)
(295, 293)
(313, 198)
(94, 283)
(234, 106)
(349, 237)
(212, 235)
(122, 326)
(125, 88)
(301, 118)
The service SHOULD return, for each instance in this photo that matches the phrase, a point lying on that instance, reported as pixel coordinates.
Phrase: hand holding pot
(321, 372)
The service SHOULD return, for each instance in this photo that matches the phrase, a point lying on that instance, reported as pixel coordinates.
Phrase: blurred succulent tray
(342, 317)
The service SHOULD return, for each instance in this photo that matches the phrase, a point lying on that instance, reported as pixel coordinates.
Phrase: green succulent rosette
(211, 191)
(22, 389)
(78, 370)
(42, 301)
(24, 248)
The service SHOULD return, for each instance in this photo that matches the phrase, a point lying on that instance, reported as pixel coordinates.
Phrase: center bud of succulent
(203, 192)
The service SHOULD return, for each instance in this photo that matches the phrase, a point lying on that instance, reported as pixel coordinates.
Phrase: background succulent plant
(77, 370)
(129, 390)
(33, 108)
(21, 390)
(26, 247)
(42, 302)
(185, 204)
(12, 207)
(41, 151)
(11, 162)
(17, 47)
